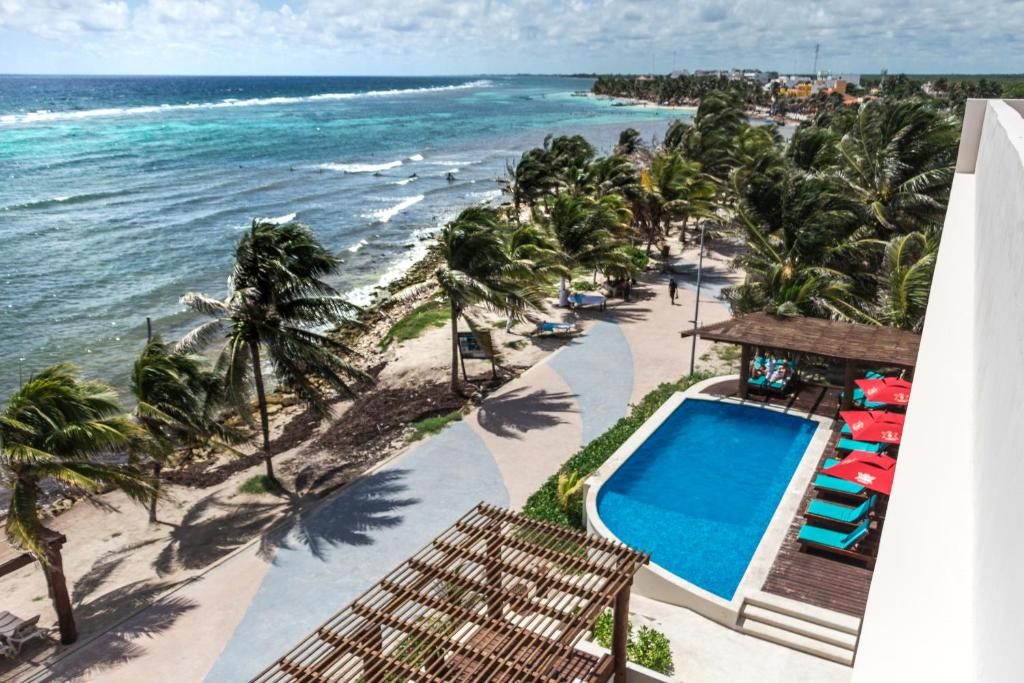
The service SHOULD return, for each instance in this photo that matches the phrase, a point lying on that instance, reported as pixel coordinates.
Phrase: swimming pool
(701, 490)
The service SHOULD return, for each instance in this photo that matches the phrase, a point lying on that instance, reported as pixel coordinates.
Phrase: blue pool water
(699, 493)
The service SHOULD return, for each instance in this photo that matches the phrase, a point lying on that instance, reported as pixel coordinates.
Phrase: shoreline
(646, 104)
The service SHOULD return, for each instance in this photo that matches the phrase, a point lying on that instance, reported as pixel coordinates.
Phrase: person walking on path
(673, 289)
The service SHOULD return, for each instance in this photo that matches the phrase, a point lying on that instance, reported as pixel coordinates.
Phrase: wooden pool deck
(815, 578)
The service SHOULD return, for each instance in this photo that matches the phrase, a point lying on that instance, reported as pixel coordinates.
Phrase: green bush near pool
(544, 503)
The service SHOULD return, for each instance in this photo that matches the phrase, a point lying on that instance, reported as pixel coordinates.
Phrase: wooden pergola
(496, 597)
(850, 343)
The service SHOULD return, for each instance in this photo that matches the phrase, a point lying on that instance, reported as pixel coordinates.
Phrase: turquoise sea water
(700, 492)
(118, 195)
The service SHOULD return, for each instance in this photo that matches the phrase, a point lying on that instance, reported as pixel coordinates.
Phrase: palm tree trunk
(563, 292)
(156, 486)
(455, 348)
(57, 584)
(261, 400)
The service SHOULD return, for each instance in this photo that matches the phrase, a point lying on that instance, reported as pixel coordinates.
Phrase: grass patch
(516, 344)
(544, 503)
(258, 484)
(434, 313)
(728, 353)
(432, 425)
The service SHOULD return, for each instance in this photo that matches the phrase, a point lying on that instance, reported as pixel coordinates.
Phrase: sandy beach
(117, 564)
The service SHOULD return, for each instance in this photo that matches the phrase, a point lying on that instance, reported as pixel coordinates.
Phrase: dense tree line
(682, 89)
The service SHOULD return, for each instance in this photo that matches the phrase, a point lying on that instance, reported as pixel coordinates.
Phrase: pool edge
(656, 582)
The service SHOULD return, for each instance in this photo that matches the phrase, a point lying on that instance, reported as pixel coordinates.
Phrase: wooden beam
(620, 634)
(849, 376)
(744, 370)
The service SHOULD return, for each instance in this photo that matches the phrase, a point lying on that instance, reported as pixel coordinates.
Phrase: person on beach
(673, 289)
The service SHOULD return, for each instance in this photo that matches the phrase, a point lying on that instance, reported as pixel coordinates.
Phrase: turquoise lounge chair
(830, 484)
(854, 445)
(759, 362)
(837, 542)
(840, 514)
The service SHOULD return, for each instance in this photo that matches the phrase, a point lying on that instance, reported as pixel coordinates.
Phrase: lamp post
(696, 305)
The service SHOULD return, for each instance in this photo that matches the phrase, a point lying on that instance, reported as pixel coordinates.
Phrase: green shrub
(544, 503)
(432, 425)
(650, 648)
(434, 313)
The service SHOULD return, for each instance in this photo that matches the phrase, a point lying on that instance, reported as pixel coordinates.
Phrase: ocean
(120, 194)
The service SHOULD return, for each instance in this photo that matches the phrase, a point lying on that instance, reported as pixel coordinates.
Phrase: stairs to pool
(814, 630)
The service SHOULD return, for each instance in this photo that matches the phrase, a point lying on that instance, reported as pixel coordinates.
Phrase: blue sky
(504, 36)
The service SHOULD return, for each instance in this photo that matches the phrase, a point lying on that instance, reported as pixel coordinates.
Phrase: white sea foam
(281, 220)
(357, 246)
(417, 249)
(385, 215)
(404, 181)
(45, 115)
(362, 168)
(416, 157)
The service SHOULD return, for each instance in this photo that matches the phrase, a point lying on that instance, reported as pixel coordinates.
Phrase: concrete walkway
(245, 613)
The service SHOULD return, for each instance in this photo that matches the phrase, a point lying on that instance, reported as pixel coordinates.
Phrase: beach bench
(841, 543)
(834, 485)
(555, 329)
(15, 632)
(599, 300)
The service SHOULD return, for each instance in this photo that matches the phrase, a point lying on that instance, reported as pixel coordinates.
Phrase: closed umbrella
(871, 471)
(889, 390)
(874, 425)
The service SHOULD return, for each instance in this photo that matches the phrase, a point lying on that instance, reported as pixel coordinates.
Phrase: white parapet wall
(947, 597)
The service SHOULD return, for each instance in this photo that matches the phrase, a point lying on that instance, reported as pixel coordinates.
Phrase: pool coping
(656, 582)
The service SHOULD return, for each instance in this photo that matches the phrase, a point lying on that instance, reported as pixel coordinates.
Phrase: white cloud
(346, 36)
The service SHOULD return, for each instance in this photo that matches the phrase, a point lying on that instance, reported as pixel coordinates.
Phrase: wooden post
(54, 571)
(620, 634)
(849, 376)
(744, 370)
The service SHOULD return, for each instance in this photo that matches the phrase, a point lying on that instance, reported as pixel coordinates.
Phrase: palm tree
(630, 142)
(277, 300)
(177, 404)
(672, 189)
(905, 280)
(480, 265)
(54, 427)
(532, 250)
(590, 234)
(711, 140)
(897, 162)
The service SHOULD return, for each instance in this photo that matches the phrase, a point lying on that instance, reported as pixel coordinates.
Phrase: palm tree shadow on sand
(513, 413)
(351, 518)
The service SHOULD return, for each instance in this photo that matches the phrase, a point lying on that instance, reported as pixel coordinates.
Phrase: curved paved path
(248, 611)
(354, 538)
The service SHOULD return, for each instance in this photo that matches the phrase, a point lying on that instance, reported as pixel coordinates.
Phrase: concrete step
(801, 610)
(796, 641)
(800, 626)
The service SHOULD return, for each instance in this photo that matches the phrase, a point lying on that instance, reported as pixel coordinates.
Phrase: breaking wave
(46, 115)
(385, 215)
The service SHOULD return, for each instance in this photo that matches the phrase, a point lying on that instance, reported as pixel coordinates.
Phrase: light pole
(696, 305)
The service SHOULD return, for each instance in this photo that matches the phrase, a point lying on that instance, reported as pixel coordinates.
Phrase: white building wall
(999, 398)
(947, 597)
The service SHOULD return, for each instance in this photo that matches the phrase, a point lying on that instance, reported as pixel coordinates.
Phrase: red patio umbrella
(889, 390)
(874, 425)
(871, 471)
